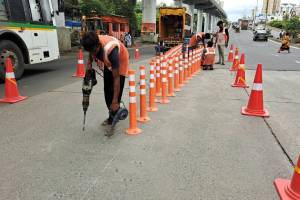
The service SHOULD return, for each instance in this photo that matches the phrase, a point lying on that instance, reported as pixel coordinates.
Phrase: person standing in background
(221, 41)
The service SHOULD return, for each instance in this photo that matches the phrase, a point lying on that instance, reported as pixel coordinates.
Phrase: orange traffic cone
(181, 70)
(242, 60)
(158, 76)
(171, 78)
(164, 99)
(230, 55)
(186, 67)
(235, 64)
(152, 105)
(143, 102)
(176, 74)
(189, 76)
(137, 54)
(133, 129)
(255, 105)
(289, 190)
(240, 79)
(11, 88)
(80, 71)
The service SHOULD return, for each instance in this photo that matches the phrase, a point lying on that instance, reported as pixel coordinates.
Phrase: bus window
(3, 14)
(115, 27)
(91, 26)
(106, 27)
(99, 25)
(122, 27)
(61, 5)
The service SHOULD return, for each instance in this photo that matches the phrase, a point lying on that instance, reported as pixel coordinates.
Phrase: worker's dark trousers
(109, 87)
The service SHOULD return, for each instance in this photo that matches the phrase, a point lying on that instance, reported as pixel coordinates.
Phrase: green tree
(101, 7)
(293, 26)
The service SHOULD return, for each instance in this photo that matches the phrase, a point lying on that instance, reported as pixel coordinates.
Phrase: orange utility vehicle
(174, 25)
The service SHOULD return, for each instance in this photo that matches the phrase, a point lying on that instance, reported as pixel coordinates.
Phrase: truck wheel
(9, 49)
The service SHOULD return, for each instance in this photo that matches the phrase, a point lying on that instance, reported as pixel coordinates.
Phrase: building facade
(271, 7)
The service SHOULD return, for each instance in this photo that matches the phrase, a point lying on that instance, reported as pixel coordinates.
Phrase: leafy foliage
(277, 24)
(293, 26)
(101, 7)
(105, 7)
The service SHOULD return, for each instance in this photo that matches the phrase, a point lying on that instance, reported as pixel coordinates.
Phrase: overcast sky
(237, 8)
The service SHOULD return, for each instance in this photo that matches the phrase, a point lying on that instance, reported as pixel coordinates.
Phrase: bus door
(38, 35)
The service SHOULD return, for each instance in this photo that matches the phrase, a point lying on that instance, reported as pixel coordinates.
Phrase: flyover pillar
(191, 8)
(178, 3)
(199, 20)
(148, 28)
(207, 23)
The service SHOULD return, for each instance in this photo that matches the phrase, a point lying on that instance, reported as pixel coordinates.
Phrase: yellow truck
(174, 25)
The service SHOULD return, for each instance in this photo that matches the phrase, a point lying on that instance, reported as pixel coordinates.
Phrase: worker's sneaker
(106, 122)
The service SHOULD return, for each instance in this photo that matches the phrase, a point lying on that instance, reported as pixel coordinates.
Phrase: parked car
(260, 35)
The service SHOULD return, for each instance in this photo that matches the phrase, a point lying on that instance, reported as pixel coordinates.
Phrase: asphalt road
(265, 53)
(45, 77)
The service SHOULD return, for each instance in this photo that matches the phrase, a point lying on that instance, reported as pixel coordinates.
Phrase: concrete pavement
(197, 147)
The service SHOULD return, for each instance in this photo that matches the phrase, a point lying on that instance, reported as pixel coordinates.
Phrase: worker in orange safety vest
(208, 56)
(197, 38)
(114, 59)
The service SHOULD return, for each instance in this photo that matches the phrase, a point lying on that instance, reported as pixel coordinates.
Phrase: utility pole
(256, 8)
(267, 6)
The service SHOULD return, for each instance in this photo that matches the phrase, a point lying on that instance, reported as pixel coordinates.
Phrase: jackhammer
(88, 83)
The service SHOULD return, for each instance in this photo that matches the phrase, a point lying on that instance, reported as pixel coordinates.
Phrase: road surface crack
(275, 137)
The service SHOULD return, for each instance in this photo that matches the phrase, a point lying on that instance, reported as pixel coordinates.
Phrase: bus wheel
(8, 49)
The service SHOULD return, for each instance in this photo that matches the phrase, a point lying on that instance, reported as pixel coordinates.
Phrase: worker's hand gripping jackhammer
(88, 82)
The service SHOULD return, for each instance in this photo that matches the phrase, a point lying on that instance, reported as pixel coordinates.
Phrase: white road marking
(280, 43)
(275, 55)
(297, 61)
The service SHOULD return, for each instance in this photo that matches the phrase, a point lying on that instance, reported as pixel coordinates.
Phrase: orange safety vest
(193, 41)
(223, 34)
(209, 58)
(109, 43)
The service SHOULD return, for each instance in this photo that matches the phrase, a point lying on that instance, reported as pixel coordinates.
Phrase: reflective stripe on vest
(109, 47)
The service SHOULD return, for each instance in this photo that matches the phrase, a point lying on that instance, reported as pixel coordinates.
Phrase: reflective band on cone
(133, 129)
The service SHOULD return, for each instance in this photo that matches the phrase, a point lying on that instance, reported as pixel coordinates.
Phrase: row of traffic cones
(168, 73)
(255, 106)
(286, 189)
